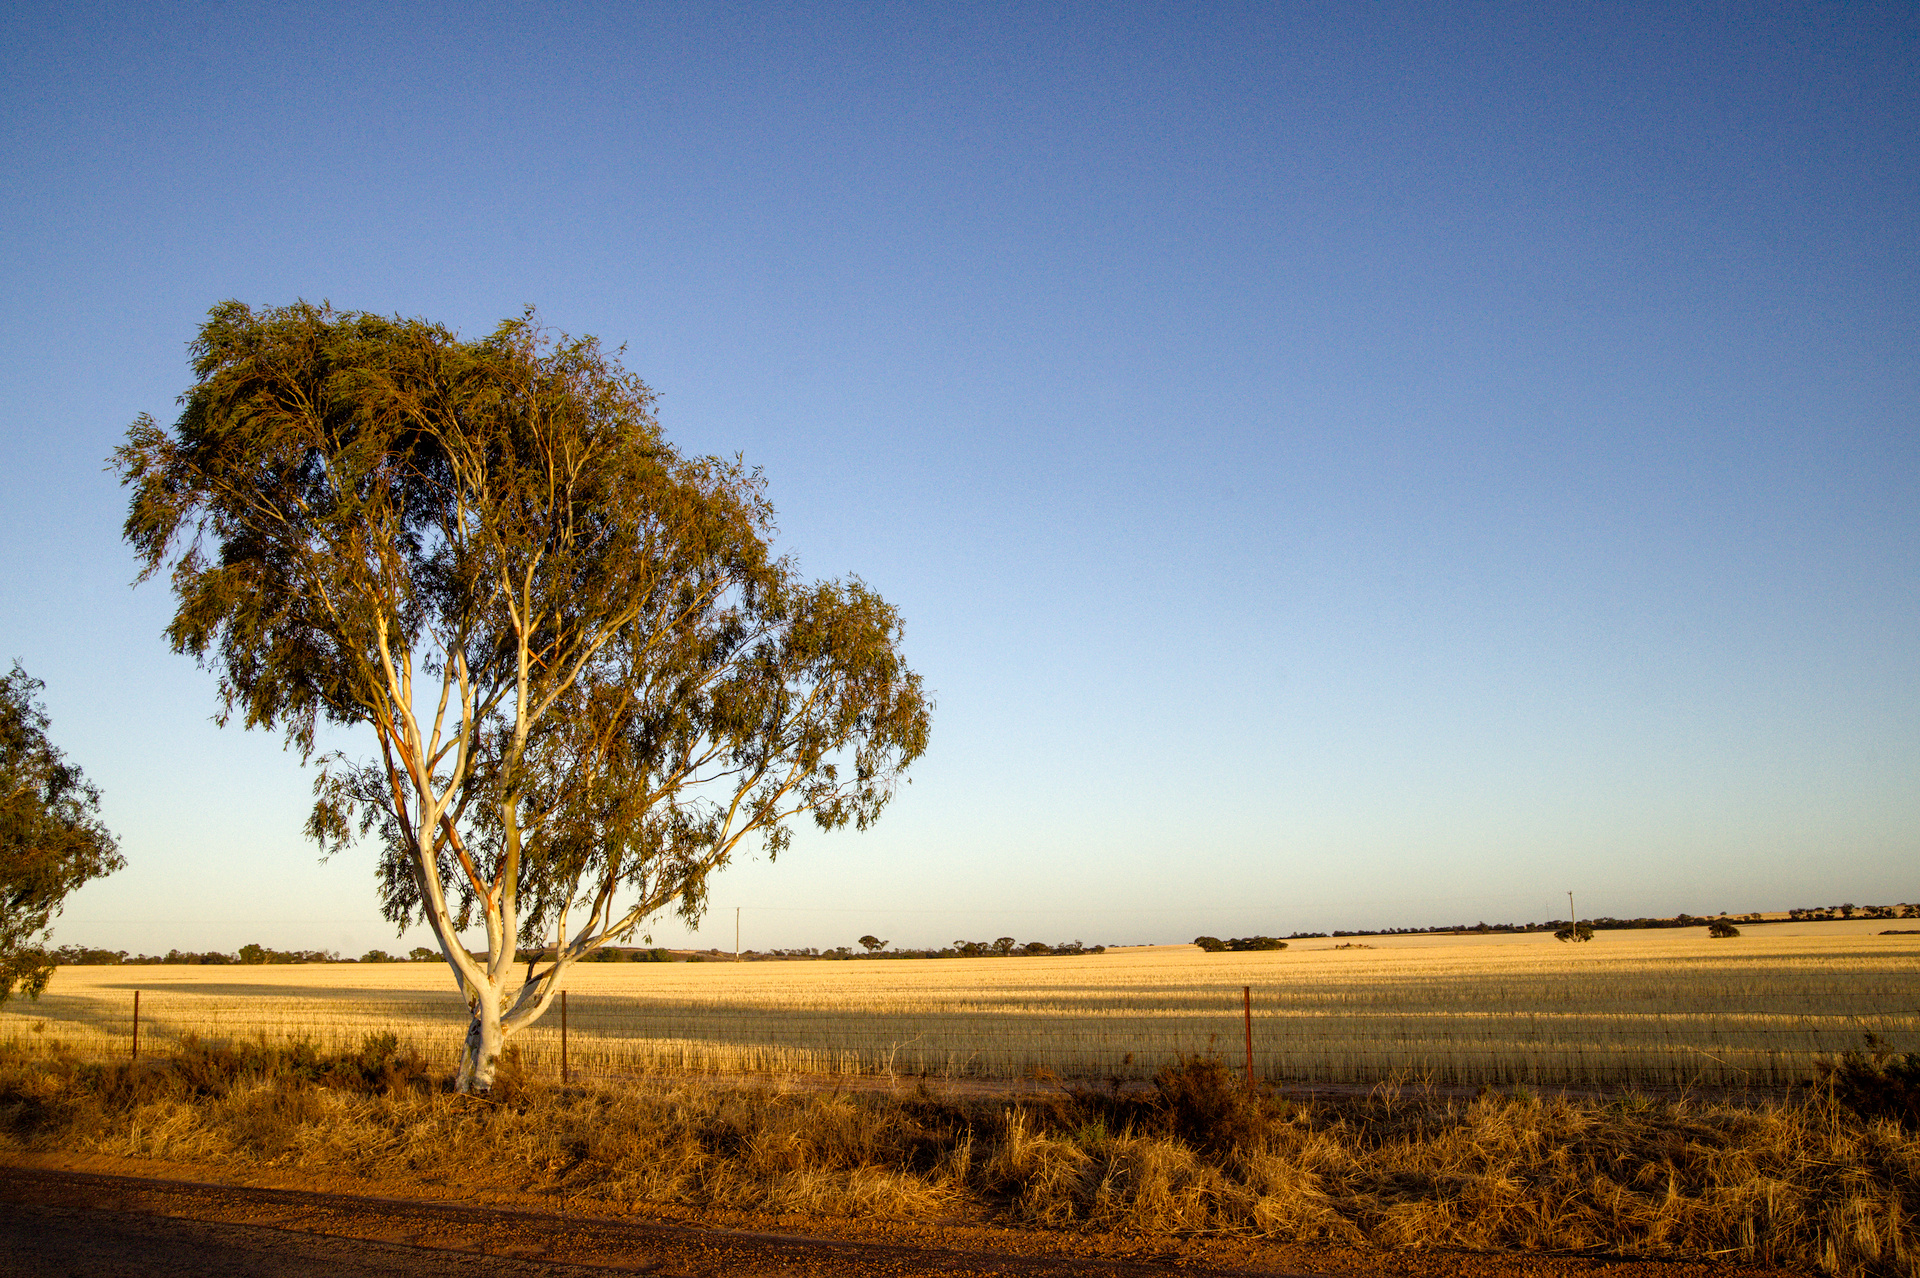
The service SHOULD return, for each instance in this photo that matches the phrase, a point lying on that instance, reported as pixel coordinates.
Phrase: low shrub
(1204, 1103)
(1876, 1083)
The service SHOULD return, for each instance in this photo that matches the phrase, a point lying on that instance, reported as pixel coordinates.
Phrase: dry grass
(1646, 1009)
(1805, 1185)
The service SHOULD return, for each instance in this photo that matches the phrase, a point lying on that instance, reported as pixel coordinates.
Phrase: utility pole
(736, 934)
(1572, 918)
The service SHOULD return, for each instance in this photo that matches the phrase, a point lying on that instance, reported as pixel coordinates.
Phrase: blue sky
(1342, 464)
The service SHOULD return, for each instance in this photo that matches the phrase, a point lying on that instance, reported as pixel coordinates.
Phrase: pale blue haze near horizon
(1355, 464)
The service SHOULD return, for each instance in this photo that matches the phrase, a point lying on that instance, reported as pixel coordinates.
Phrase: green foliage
(1720, 930)
(1575, 932)
(1211, 944)
(51, 837)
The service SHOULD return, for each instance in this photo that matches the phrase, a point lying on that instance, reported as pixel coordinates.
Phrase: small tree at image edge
(51, 837)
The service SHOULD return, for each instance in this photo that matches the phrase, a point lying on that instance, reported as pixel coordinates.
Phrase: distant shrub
(1211, 944)
(1575, 932)
(1719, 930)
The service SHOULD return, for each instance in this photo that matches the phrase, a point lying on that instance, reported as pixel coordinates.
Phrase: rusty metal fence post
(1246, 998)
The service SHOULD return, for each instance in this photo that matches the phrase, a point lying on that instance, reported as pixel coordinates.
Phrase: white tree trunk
(481, 1052)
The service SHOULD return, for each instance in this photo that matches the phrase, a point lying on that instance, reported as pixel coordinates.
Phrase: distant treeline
(871, 948)
(614, 954)
(1607, 923)
(1823, 913)
(1004, 947)
(81, 956)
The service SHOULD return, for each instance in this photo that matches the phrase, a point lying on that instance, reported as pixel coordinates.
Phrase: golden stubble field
(1653, 1008)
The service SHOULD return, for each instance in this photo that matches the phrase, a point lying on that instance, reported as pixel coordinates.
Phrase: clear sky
(1340, 464)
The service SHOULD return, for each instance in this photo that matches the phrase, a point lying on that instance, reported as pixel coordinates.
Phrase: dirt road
(66, 1224)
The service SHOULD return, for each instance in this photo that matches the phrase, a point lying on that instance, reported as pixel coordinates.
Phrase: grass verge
(1809, 1183)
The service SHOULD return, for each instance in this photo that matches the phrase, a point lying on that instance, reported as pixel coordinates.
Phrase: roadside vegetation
(1824, 1180)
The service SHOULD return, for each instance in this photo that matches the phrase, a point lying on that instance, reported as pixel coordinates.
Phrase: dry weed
(1807, 1184)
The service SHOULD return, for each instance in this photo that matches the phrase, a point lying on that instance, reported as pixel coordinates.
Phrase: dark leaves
(51, 837)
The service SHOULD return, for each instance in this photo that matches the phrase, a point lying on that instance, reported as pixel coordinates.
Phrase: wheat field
(1650, 1009)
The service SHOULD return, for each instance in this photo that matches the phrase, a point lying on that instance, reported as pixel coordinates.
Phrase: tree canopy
(588, 674)
(51, 836)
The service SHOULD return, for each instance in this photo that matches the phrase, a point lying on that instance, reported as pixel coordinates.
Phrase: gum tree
(51, 836)
(587, 676)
